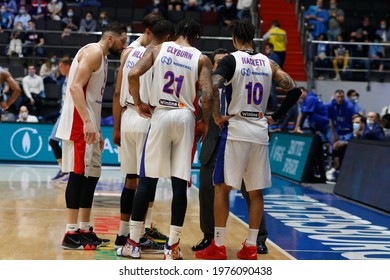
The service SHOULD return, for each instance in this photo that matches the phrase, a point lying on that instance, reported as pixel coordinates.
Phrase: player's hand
(270, 120)
(221, 120)
(90, 134)
(116, 137)
(201, 129)
(144, 110)
(4, 106)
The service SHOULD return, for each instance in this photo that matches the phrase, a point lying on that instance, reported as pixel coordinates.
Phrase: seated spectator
(175, 5)
(373, 129)
(54, 9)
(34, 90)
(23, 16)
(16, 41)
(90, 3)
(336, 20)
(321, 58)
(39, 9)
(88, 23)
(11, 6)
(244, 9)
(358, 125)
(368, 31)
(376, 53)
(227, 12)
(6, 18)
(386, 126)
(192, 5)
(317, 19)
(70, 22)
(341, 58)
(34, 41)
(353, 96)
(156, 6)
(24, 116)
(103, 20)
(358, 53)
(49, 70)
(382, 31)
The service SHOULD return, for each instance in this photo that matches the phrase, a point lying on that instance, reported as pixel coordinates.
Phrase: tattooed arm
(284, 81)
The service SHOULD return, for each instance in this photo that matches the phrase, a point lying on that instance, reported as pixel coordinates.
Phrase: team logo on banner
(26, 142)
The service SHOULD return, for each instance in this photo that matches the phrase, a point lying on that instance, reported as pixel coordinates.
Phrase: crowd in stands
(329, 24)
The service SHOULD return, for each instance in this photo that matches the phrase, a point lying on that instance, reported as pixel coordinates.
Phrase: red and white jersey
(132, 59)
(175, 76)
(250, 90)
(71, 125)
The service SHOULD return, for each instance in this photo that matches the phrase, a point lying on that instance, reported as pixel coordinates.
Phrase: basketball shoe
(130, 250)
(120, 241)
(90, 236)
(73, 241)
(172, 252)
(212, 252)
(155, 235)
(247, 252)
(148, 246)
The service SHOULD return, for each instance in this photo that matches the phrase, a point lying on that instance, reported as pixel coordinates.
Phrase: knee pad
(87, 192)
(73, 190)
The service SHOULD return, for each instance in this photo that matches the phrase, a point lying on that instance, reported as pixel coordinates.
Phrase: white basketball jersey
(175, 76)
(250, 89)
(132, 59)
(71, 125)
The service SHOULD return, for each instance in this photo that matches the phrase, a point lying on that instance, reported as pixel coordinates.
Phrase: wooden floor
(32, 218)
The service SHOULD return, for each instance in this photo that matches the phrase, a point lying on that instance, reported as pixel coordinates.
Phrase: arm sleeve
(226, 67)
(291, 98)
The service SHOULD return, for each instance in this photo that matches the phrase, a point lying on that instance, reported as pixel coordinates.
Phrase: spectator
(382, 31)
(321, 58)
(70, 22)
(376, 54)
(54, 9)
(6, 18)
(103, 20)
(39, 9)
(49, 70)
(34, 90)
(340, 113)
(156, 6)
(192, 5)
(353, 96)
(385, 111)
(88, 23)
(90, 3)
(244, 9)
(227, 12)
(367, 29)
(24, 116)
(317, 19)
(386, 126)
(11, 6)
(336, 20)
(34, 41)
(358, 125)
(23, 16)
(341, 58)
(359, 52)
(373, 130)
(175, 5)
(16, 42)
(278, 37)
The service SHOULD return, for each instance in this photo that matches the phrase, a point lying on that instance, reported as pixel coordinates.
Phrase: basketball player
(79, 129)
(243, 149)
(6, 77)
(120, 103)
(177, 68)
(133, 133)
(61, 178)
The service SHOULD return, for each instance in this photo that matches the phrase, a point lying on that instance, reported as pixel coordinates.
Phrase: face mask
(156, 2)
(356, 126)
(22, 12)
(370, 122)
(24, 115)
(88, 19)
(228, 5)
(383, 26)
(104, 22)
(2, 11)
(53, 60)
(332, 6)
(54, 1)
(31, 74)
(70, 14)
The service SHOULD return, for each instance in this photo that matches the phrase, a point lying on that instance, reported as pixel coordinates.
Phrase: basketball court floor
(303, 223)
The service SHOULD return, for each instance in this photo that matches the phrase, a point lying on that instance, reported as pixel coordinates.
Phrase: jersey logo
(249, 114)
(166, 60)
(246, 72)
(130, 64)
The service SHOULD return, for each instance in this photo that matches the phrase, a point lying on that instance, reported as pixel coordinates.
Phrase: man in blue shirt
(340, 111)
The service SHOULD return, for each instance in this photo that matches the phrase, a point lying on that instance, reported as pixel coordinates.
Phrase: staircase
(285, 12)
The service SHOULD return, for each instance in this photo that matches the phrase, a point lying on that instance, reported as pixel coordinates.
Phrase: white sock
(219, 236)
(71, 227)
(252, 237)
(124, 228)
(148, 218)
(136, 230)
(85, 226)
(174, 234)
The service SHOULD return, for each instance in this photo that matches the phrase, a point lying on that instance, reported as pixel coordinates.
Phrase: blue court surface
(311, 225)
